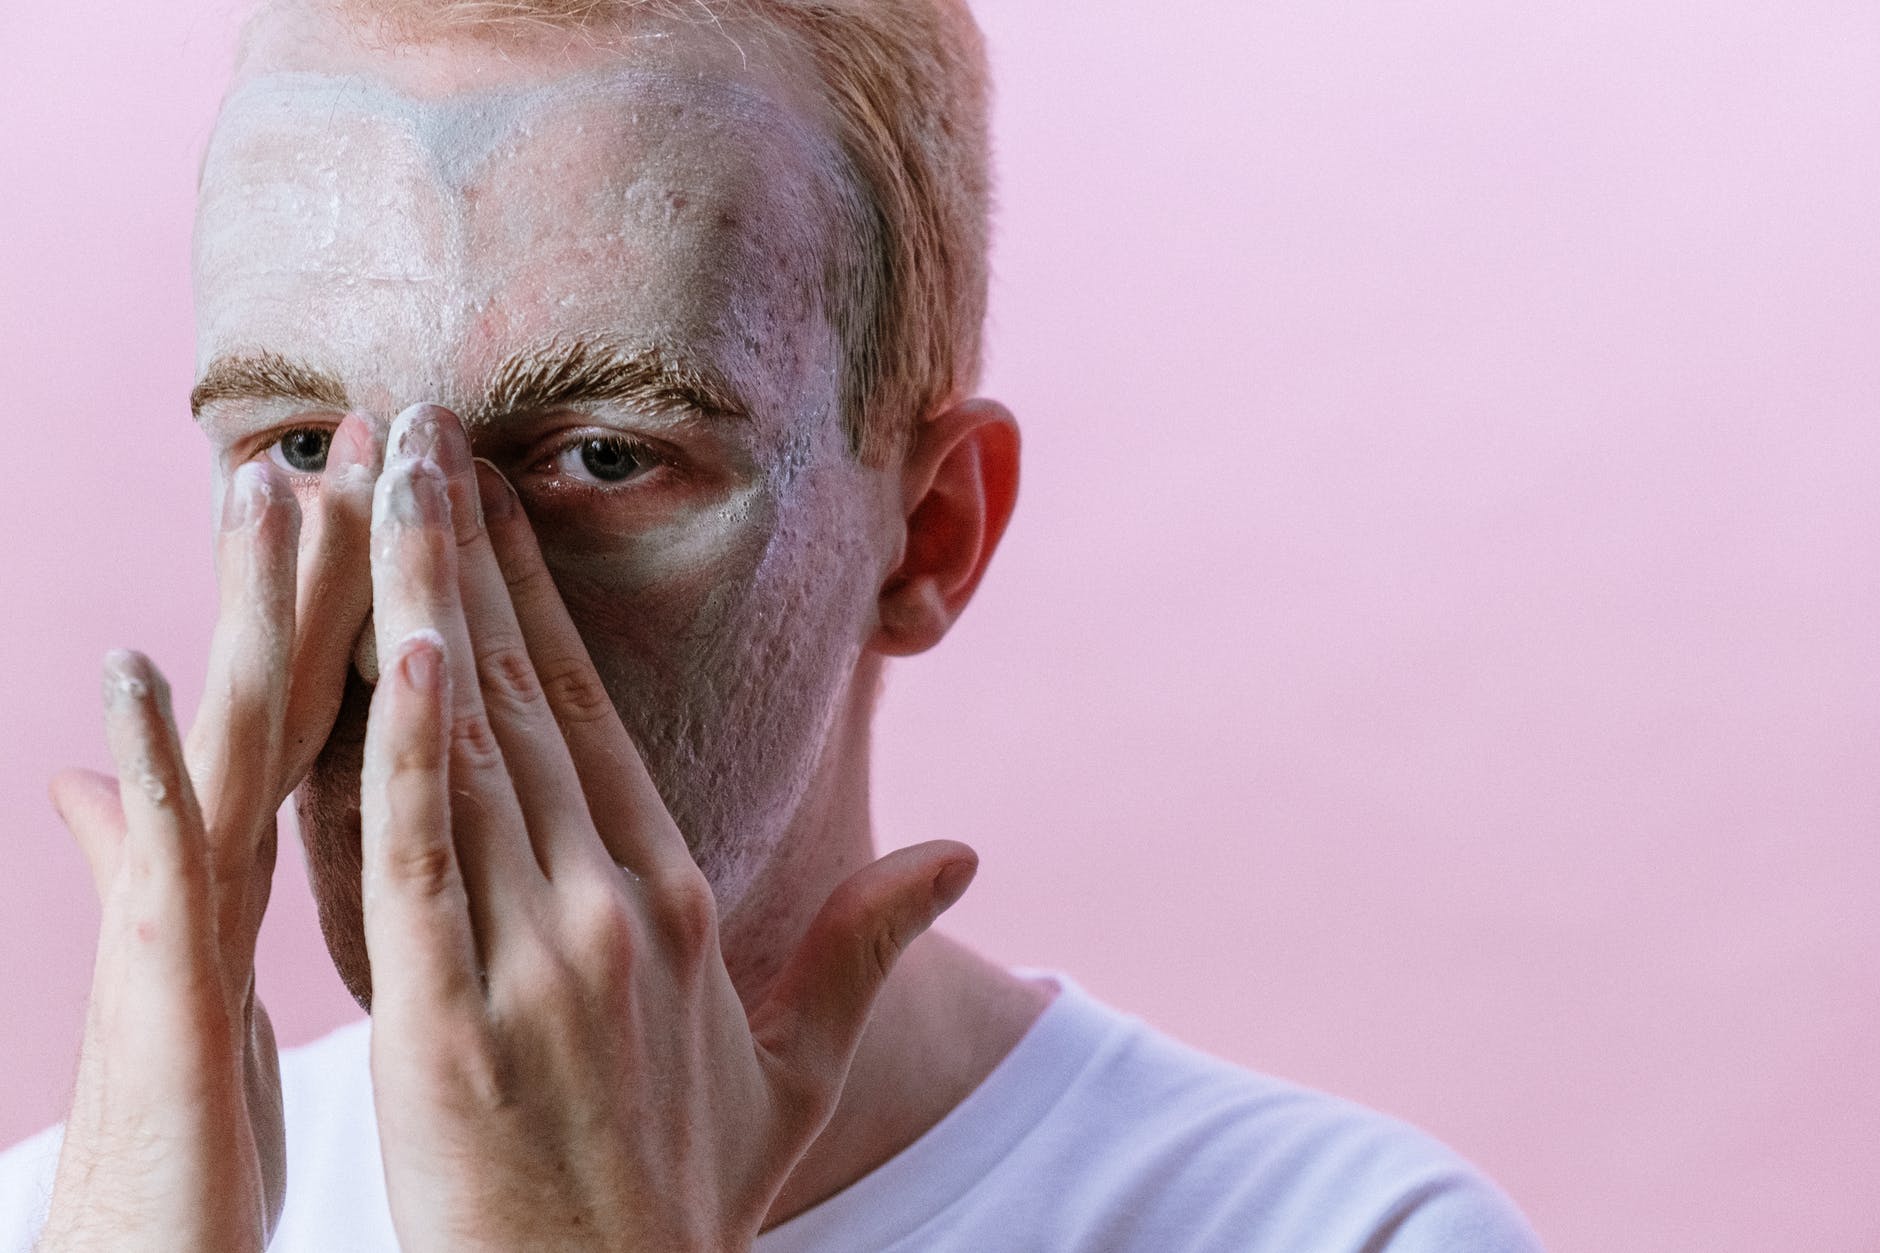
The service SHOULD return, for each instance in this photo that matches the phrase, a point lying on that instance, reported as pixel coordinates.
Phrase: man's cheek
(626, 617)
(645, 595)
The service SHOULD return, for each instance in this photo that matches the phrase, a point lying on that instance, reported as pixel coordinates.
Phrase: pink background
(1436, 656)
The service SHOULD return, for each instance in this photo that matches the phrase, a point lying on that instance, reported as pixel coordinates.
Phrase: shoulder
(1223, 1158)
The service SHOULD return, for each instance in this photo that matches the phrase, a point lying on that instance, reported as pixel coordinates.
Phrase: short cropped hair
(907, 86)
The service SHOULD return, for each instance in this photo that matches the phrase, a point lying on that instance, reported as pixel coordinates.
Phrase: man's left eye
(604, 459)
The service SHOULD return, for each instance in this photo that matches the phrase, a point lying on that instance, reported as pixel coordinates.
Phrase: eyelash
(645, 456)
(646, 459)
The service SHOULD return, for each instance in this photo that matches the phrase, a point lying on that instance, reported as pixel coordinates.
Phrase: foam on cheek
(705, 545)
(788, 643)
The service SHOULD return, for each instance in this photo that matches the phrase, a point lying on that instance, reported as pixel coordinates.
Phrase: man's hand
(559, 1056)
(175, 1138)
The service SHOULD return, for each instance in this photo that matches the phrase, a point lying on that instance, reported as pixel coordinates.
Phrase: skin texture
(726, 598)
(569, 1054)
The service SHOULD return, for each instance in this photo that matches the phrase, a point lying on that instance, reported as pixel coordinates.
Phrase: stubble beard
(732, 757)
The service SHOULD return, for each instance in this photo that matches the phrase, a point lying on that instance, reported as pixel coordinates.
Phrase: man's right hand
(175, 1138)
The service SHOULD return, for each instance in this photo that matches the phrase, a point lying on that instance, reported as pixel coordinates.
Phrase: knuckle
(473, 741)
(416, 755)
(506, 672)
(479, 1076)
(426, 869)
(686, 913)
(882, 951)
(527, 579)
(604, 934)
(575, 693)
(806, 1099)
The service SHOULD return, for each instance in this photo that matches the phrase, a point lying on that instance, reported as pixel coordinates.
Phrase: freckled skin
(405, 221)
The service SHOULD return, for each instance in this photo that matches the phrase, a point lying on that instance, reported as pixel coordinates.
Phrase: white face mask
(401, 225)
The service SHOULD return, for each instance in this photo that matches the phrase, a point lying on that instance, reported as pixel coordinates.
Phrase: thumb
(88, 805)
(813, 1017)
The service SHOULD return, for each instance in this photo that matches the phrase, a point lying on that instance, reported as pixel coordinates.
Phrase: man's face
(608, 260)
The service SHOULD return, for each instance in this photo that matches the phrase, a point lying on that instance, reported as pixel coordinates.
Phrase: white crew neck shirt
(1095, 1134)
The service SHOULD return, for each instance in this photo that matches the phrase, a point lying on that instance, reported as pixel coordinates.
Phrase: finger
(162, 871)
(234, 744)
(88, 805)
(813, 1016)
(417, 911)
(335, 594)
(548, 791)
(414, 587)
(627, 810)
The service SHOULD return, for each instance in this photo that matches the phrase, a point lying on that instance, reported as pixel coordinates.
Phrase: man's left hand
(559, 1055)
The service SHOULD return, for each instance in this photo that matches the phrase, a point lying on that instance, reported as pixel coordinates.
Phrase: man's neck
(945, 1019)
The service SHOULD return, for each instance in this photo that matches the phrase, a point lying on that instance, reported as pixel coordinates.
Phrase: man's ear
(959, 482)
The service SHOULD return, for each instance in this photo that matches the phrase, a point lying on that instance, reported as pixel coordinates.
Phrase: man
(590, 387)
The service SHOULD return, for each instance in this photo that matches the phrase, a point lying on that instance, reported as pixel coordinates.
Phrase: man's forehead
(287, 117)
(625, 172)
(458, 91)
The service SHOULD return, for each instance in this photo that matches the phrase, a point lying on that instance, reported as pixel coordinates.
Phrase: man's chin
(327, 804)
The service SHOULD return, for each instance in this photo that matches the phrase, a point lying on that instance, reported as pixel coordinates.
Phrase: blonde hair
(907, 86)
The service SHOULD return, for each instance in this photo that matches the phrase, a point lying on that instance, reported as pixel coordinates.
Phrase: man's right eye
(302, 451)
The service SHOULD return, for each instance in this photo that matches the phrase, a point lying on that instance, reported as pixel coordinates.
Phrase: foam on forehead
(904, 86)
(460, 132)
(346, 219)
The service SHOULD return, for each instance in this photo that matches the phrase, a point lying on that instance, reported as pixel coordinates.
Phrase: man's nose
(366, 653)
(357, 454)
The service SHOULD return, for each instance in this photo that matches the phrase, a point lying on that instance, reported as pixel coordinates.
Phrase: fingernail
(432, 432)
(422, 656)
(250, 490)
(412, 494)
(129, 676)
(355, 449)
(414, 434)
(951, 883)
(123, 677)
(495, 494)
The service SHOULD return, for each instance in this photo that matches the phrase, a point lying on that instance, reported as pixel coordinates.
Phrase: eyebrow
(562, 373)
(265, 376)
(573, 372)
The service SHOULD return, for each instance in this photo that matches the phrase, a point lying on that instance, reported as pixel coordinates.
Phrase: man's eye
(303, 451)
(603, 459)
